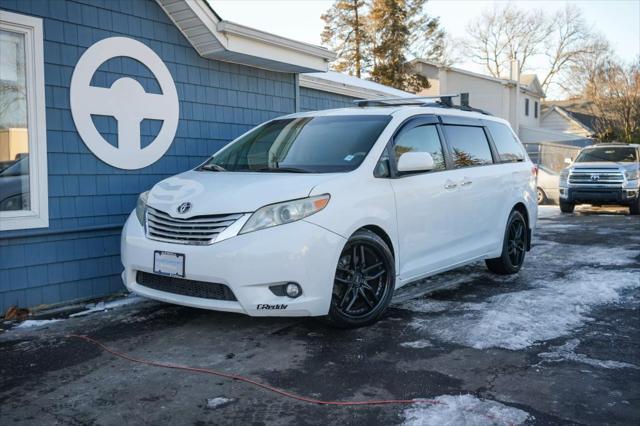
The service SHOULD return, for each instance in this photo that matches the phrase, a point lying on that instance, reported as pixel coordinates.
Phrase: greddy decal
(262, 306)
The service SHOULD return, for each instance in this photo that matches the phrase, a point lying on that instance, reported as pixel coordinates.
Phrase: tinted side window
(509, 149)
(469, 146)
(421, 139)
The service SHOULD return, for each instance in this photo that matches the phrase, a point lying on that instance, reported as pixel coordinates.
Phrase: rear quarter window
(468, 145)
(509, 148)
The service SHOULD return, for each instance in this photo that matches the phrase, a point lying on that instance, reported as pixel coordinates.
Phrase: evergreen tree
(346, 33)
(395, 24)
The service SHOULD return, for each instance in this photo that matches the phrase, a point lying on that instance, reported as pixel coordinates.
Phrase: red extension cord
(262, 385)
(250, 381)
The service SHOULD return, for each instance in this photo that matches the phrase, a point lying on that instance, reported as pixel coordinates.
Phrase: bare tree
(502, 34)
(615, 98)
(582, 71)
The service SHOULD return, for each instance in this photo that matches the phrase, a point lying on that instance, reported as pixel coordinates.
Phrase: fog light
(293, 290)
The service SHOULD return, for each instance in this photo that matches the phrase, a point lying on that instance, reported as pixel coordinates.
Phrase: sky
(617, 20)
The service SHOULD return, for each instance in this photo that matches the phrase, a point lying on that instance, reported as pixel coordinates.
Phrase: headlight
(141, 206)
(564, 175)
(632, 174)
(287, 212)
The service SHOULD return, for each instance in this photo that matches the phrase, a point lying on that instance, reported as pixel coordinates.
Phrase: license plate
(167, 263)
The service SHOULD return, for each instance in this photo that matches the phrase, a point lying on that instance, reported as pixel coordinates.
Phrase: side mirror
(568, 160)
(415, 162)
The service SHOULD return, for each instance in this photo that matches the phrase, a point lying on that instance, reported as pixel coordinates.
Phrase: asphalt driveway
(558, 343)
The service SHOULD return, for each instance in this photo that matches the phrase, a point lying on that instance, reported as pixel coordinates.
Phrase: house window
(23, 150)
(526, 106)
(535, 109)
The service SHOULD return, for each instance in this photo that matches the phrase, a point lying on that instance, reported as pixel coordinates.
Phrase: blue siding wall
(78, 255)
(312, 100)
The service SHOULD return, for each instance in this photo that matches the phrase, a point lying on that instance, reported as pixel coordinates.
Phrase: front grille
(199, 230)
(596, 177)
(184, 287)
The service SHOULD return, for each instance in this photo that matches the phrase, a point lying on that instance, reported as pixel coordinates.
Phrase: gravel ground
(558, 343)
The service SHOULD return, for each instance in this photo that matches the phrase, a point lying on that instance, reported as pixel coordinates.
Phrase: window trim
(38, 214)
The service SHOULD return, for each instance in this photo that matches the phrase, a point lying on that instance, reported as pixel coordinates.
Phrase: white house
(572, 117)
(515, 100)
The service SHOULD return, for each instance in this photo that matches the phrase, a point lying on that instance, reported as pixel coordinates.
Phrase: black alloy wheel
(364, 281)
(514, 246)
(516, 242)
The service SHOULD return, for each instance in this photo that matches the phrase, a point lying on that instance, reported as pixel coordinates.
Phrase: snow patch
(450, 410)
(418, 344)
(105, 306)
(218, 401)
(519, 319)
(567, 352)
(36, 323)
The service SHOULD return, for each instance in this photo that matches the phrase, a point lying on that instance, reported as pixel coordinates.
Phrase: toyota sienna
(326, 213)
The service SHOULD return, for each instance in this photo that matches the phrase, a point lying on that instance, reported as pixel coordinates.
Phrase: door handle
(466, 183)
(450, 185)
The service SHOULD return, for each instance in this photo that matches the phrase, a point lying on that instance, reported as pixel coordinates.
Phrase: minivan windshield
(615, 154)
(323, 144)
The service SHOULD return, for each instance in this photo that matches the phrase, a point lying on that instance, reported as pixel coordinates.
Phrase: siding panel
(218, 101)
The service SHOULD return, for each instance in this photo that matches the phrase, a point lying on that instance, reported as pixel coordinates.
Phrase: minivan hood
(230, 192)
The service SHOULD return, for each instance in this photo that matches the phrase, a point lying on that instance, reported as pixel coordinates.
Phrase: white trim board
(38, 215)
(214, 38)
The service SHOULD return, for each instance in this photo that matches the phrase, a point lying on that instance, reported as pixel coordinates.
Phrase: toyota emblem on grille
(183, 208)
(595, 177)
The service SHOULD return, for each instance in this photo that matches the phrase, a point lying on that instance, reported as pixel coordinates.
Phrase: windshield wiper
(281, 170)
(213, 168)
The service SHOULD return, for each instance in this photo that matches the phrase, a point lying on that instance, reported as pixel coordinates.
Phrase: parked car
(548, 186)
(14, 185)
(326, 213)
(603, 174)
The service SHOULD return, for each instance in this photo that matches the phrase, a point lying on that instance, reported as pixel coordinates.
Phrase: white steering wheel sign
(126, 101)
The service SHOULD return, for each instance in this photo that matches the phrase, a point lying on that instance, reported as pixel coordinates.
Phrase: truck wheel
(634, 208)
(364, 282)
(514, 246)
(566, 207)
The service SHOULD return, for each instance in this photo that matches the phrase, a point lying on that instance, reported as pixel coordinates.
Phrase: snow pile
(105, 306)
(219, 401)
(463, 410)
(519, 319)
(36, 323)
(566, 352)
(418, 344)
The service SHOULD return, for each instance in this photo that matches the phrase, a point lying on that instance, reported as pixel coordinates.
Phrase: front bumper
(618, 196)
(248, 264)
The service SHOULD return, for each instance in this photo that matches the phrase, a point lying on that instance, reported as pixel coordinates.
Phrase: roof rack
(409, 100)
(441, 101)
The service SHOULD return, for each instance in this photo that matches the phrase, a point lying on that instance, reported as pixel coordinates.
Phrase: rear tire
(566, 207)
(634, 209)
(364, 281)
(514, 246)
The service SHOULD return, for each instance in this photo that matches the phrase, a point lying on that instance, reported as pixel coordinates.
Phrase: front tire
(514, 246)
(566, 207)
(634, 209)
(364, 281)
(541, 196)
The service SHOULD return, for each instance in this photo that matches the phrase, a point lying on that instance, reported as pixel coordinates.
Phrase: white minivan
(326, 213)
